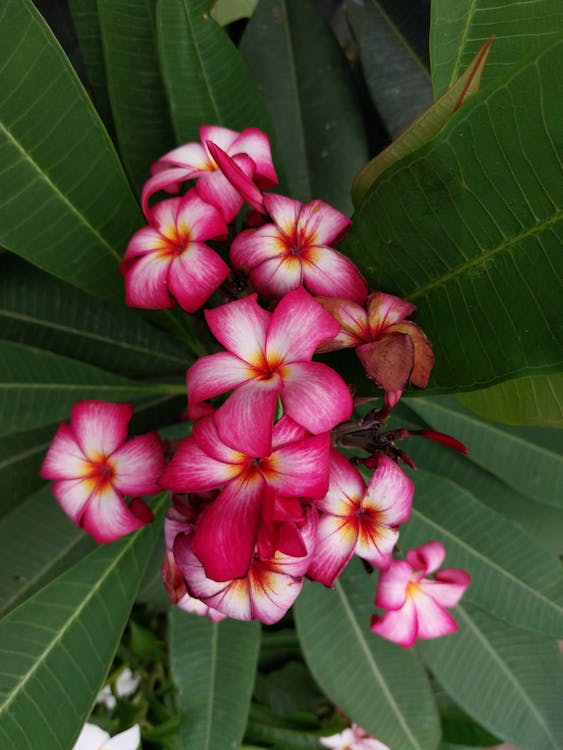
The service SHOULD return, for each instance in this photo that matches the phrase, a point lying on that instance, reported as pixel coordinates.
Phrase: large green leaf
(227, 11)
(513, 577)
(37, 542)
(527, 459)
(58, 645)
(304, 79)
(535, 401)
(136, 90)
(508, 680)
(377, 684)
(467, 228)
(398, 80)
(213, 665)
(459, 29)
(65, 203)
(39, 310)
(38, 388)
(205, 77)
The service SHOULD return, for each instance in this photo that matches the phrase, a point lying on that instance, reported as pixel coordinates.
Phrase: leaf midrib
(460, 50)
(200, 63)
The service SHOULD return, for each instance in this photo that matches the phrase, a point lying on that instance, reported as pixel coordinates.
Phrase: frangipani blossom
(226, 531)
(93, 737)
(359, 520)
(170, 257)
(250, 150)
(94, 467)
(353, 738)
(416, 605)
(269, 356)
(296, 251)
(394, 351)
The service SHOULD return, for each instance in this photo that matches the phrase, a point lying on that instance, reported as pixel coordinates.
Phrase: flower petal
(272, 593)
(207, 438)
(128, 740)
(299, 469)
(386, 309)
(428, 557)
(195, 274)
(145, 240)
(375, 542)
(315, 396)
(284, 212)
(353, 320)
(199, 221)
(91, 736)
(328, 272)
(336, 539)
(100, 427)
(241, 327)
(391, 590)
(390, 492)
(146, 281)
(225, 536)
(277, 276)
(214, 374)
(73, 496)
(215, 189)
(423, 357)
(239, 171)
(256, 144)
(399, 626)
(448, 586)
(299, 324)
(107, 518)
(223, 137)
(346, 487)
(192, 470)
(65, 459)
(254, 246)
(138, 465)
(321, 224)
(165, 179)
(389, 361)
(287, 431)
(433, 620)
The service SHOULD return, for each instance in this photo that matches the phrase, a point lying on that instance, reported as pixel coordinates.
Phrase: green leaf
(510, 681)
(459, 28)
(227, 11)
(467, 228)
(138, 102)
(38, 388)
(205, 77)
(85, 17)
(380, 686)
(29, 557)
(213, 665)
(39, 310)
(398, 80)
(65, 204)
(512, 576)
(527, 459)
(305, 81)
(58, 645)
(535, 401)
(425, 127)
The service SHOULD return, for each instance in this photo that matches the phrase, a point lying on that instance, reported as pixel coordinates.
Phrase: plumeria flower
(265, 593)
(170, 257)
(269, 357)
(226, 532)
(353, 738)
(295, 250)
(394, 351)
(250, 150)
(94, 467)
(416, 605)
(92, 737)
(359, 520)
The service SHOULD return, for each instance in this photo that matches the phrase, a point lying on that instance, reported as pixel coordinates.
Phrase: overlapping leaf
(377, 684)
(57, 646)
(65, 203)
(213, 665)
(469, 227)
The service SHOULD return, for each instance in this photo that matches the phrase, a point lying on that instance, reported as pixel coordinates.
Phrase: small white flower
(106, 697)
(127, 683)
(353, 738)
(92, 737)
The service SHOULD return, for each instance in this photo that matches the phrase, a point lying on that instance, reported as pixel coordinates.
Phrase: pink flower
(417, 605)
(296, 251)
(353, 738)
(169, 256)
(250, 150)
(394, 351)
(94, 467)
(269, 357)
(359, 520)
(226, 531)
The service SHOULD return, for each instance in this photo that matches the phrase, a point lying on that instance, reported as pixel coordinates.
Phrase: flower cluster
(263, 494)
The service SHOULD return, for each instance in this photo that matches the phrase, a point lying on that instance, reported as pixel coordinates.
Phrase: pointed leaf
(467, 229)
(319, 131)
(206, 80)
(459, 28)
(213, 665)
(57, 646)
(510, 681)
(37, 387)
(425, 127)
(512, 576)
(378, 685)
(65, 204)
(136, 90)
(534, 401)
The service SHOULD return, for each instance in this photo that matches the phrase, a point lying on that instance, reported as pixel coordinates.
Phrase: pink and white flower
(353, 738)
(250, 150)
(269, 357)
(417, 606)
(359, 520)
(170, 257)
(94, 466)
(295, 250)
(225, 535)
